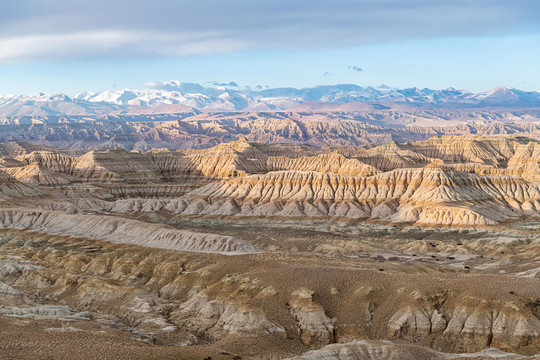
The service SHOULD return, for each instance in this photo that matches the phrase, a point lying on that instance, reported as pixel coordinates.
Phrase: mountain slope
(445, 180)
(186, 97)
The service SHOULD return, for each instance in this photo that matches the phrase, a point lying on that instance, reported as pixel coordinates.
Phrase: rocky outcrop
(10, 187)
(120, 230)
(414, 324)
(441, 318)
(387, 350)
(526, 160)
(234, 159)
(214, 318)
(443, 181)
(6, 290)
(328, 163)
(45, 312)
(34, 174)
(430, 195)
(14, 149)
(10, 268)
(178, 131)
(503, 326)
(314, 326)
(229, 312)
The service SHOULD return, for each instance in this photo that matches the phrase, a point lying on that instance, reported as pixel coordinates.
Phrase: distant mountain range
(176, 97)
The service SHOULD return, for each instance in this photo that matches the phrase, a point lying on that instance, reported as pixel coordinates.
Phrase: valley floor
(453, 290)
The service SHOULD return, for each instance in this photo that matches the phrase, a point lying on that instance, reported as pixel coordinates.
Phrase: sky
(71, 46)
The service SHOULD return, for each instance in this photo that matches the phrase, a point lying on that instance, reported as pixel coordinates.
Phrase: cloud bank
(37, 29)
(229, 84)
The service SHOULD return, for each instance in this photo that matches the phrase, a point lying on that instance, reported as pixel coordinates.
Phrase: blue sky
(70, 47)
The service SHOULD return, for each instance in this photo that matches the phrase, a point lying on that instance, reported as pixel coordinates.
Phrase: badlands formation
(185, 131)
(425, 249)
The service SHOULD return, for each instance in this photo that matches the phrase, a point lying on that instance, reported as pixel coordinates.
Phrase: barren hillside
(426, 249)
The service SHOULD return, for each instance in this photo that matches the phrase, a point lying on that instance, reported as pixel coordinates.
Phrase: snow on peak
(221, 98)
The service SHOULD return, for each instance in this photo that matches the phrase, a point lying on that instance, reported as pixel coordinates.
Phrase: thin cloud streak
(96, 43)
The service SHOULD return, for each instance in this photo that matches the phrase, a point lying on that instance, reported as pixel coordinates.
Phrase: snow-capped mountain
(147, 97)
(174, 96)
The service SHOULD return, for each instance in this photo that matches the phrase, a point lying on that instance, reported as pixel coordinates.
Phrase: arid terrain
(186, 131)
(424, 249)
(269, 180)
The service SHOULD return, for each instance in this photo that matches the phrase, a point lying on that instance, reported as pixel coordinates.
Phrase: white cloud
(83, 43)
(96, 43)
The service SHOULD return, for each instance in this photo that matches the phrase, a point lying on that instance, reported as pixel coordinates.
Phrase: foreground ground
(250, 251)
